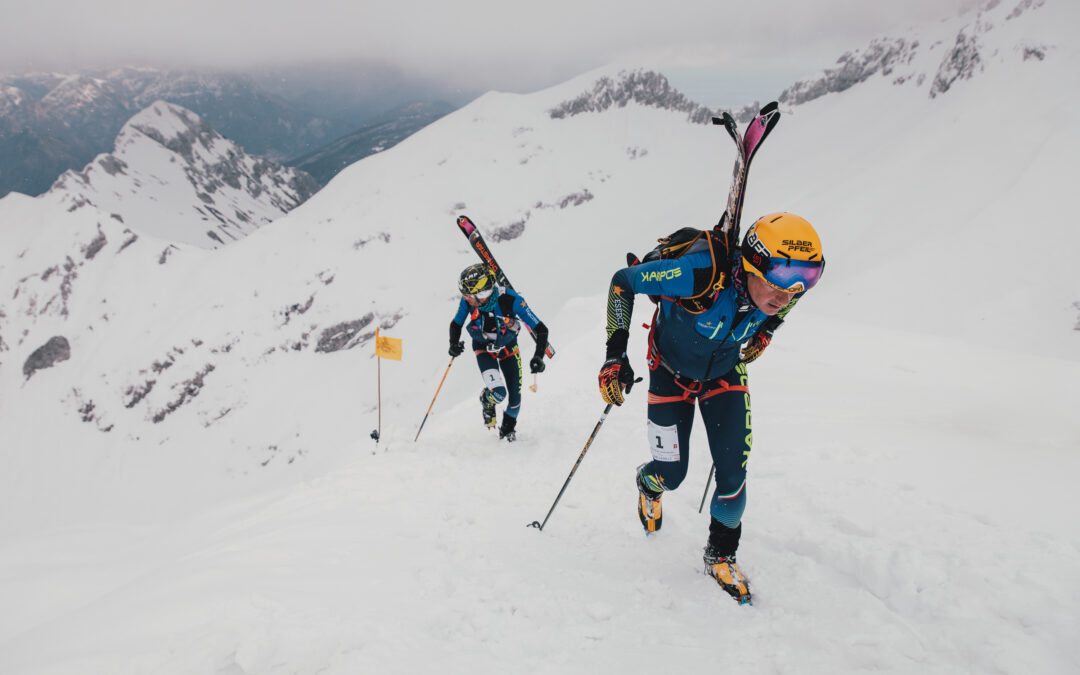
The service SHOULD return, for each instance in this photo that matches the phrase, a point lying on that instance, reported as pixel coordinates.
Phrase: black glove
(616, 376)
(456, 348)
(536, 364)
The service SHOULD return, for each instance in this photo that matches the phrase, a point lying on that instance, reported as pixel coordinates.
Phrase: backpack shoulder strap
(506, 304)
(709, 281)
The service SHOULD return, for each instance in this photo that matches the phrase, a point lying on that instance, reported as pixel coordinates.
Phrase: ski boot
(648, 509)
(507, 429)
(727, 574)
(720, 561)
(487, 401)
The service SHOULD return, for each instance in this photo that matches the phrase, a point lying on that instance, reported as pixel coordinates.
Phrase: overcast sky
(482, 44)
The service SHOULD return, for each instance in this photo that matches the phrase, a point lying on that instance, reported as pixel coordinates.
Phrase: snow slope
(910, 494)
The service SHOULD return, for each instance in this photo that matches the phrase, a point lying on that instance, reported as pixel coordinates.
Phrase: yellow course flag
(387, 347)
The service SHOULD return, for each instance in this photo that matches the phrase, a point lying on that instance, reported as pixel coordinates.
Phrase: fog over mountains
(190, 485)
(52, 122)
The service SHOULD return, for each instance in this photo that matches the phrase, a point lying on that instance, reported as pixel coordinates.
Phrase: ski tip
(465, 224)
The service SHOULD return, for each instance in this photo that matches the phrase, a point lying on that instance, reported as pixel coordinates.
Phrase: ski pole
(433, 399)
(708, 482)
(540, 526)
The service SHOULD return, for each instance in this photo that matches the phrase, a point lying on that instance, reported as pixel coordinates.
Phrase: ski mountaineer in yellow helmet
(718, 306)
(492, 315)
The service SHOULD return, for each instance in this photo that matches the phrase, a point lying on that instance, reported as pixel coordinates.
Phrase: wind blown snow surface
(915, 438)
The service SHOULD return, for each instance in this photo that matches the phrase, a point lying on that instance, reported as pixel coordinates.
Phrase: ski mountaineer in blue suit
(493, 317)
(717, 308)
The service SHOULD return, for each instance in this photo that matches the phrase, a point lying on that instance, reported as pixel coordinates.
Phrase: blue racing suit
(494, 328)
(695, 356)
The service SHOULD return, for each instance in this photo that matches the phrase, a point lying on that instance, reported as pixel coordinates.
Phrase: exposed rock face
(960, 63)
(643, 87)
(880, 56)
(345, 335)
(47, 355)
(918, 61)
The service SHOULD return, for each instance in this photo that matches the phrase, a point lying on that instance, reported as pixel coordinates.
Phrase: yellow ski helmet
(784, 251)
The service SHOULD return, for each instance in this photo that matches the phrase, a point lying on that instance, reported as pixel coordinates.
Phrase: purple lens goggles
(794, 276)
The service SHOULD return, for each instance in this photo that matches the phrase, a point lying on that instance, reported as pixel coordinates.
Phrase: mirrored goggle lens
(479, 298)
(794, 276)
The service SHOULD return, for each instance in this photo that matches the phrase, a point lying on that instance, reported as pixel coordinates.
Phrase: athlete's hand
(536, 364)
(753, 349)
(616, 377)
(456, 348)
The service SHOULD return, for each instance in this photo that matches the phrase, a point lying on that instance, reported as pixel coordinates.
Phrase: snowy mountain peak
(172, 176)
(936, 57)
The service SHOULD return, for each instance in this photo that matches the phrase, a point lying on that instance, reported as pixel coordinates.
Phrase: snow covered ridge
(968, 49)
(172, 176)
(644, 87)
(63, 120)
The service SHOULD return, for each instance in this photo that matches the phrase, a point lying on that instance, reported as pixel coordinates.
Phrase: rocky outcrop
(643, 87)
(880, 57)
(54, 351)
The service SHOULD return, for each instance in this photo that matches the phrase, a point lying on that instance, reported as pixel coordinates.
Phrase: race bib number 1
(664, 442)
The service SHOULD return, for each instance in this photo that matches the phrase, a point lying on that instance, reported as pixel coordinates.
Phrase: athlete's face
(765, 297)
(477, 299)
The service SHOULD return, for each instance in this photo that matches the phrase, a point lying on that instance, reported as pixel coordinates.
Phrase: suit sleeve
(458, 321)
(673, 278)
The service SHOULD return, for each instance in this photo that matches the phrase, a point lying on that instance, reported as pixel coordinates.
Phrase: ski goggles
(478, 298)
(790, 276)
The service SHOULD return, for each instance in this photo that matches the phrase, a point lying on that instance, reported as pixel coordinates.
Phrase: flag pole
(385, 348)
(380, 395)
(378, 388)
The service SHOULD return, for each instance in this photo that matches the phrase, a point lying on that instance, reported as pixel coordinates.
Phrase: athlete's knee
(498, 393)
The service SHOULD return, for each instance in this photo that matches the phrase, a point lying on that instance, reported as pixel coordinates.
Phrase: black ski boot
(720, 561)
(487, 403)
(507, 429)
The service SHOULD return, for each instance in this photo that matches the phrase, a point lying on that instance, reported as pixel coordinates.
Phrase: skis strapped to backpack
(746, 146)
(724, 237)
(476, 240)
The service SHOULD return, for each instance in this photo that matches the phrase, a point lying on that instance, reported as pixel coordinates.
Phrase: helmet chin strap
(738, 279)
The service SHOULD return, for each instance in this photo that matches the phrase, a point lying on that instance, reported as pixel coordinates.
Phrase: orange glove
(752, 349)
(616, 376)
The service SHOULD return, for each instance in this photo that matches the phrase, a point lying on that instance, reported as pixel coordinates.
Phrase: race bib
(664, 442)
(493, 379)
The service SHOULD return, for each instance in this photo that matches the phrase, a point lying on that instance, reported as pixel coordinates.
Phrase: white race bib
(664, 442)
